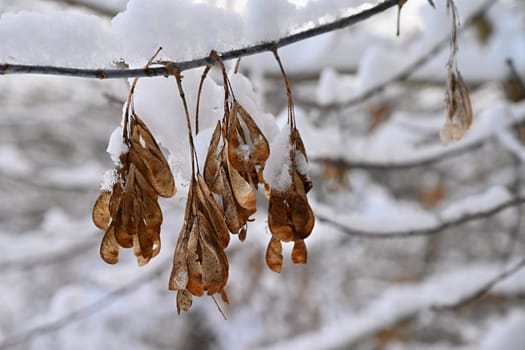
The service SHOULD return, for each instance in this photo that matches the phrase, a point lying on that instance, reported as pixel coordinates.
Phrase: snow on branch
(343, 22)
(84, 312)
(401, 303)
(35, 261)
(469, 209)
(484, 289)
(493, 127)
(402, 74)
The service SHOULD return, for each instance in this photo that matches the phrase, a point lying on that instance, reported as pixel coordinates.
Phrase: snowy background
(378, 169)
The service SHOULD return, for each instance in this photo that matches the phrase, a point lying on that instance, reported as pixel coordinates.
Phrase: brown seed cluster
(200, 263)
(220, 201)
(290, 217)
(130, 213)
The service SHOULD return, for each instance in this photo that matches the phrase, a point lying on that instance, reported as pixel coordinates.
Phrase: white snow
(277, 171)
(13, 162)
(491, 198)
(116, 146)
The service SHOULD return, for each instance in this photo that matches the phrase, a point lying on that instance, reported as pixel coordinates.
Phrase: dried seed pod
(184, 301)
(299, 252)
(149, 158)
(109, 247)
(101, 212)
(274, 255)
(131, 210)
(290, 217)
(459, 109)
(200, 264)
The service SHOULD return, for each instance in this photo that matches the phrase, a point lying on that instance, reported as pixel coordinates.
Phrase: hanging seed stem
(129, 102)
(203, 77)
(291, 114)
(194, 162)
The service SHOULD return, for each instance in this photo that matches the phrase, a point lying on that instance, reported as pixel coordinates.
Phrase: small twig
(515, 74)
(400, 76)
(449, 152)
(201, 84)
(163, 70)
(93, 7)
(219, 307)
(356, 232)
(82, 313)
(36, 261)
(400, 165)
(481, 291)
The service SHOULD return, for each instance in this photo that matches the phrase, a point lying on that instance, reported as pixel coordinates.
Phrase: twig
(515, 74)
(450, 152)
(36, 261)
(400, 76)
(7, 68)
(81, 313)
(98, 9)
(356, 232)
(398, 165)
(483, 290)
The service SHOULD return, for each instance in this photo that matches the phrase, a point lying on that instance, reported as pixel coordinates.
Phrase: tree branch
(412, 162)
(40, 260)
(7, 68)
(98, 9)
(401, 75)
(81, 313)
(483, 290)
(443, 225)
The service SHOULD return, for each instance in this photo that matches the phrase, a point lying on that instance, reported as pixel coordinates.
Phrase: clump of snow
(277, 171)
(247, 97)
(267, 18)
(13, 162)
(184, 29)
(491, 198)
(116, 146)
(301, 163)
(58, 37)
(327, 88)
(109, 178)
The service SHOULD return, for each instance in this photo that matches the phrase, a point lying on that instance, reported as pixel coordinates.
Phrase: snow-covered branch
(404, 73)
(484, 289)
(84, 312)
(447, 222)
(344, 22)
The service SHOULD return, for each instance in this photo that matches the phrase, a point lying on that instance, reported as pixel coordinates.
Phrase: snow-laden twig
(394, 305)
(35, 261)
(476, 295)
(93, 7)
(402, 75)
(84, 312)
(427, 231)
(419, 158)
(344, 22)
